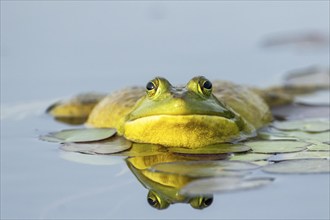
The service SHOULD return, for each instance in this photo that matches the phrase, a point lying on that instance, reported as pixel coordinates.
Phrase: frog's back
(111, 111)
(244, 101)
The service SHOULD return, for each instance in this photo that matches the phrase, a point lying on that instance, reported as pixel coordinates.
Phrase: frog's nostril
(178, 93)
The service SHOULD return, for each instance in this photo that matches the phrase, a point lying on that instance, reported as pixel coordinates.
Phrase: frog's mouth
(190, 131)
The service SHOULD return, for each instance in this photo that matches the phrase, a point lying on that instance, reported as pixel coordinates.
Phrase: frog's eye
(201, 202)
(207, 202)
(150, 86)
(155, 201)
(207, 85)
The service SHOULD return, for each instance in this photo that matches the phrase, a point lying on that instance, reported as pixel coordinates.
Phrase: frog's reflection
(164, 188)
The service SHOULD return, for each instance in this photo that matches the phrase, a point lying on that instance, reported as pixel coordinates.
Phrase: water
(54, 49)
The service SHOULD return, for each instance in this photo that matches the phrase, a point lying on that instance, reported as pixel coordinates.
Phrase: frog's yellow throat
(190, 131)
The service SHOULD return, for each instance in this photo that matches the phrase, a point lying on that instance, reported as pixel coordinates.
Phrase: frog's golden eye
(155, 201)
(207, 85)
(201, 202)
(150, 86)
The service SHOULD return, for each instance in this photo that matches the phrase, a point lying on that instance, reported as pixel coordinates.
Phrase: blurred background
(54, 49)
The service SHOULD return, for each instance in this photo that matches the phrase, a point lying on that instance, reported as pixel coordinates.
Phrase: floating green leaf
(308, 125)
(250, 157)
(223, 184)
(271, 133)
(276, 146)
(301, 155)
(305, 136)
(212, 149)
(261, 162)
(79, 135)
(276, 136)
(109, 146)
(299, 166)
(205, 168)
(316, 146)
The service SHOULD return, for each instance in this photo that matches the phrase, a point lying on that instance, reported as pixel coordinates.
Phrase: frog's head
(188, 116)
(157, 201)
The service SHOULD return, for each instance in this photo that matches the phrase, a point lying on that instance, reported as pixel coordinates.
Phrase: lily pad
(271, 147)
(79, 135)
(212, 149)
(310, 125)
(250, 157)
(319, 147)
(261, 163)
(109, 146)
(301, 166)
(223, 184)
(205, 168)
(301, 155)
(275, 136)
(321, 137)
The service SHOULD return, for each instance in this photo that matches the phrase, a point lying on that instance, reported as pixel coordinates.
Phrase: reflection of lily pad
(250, 157)
(79, 135)
(276, 146)
(223, 184)
(301, 155)
(319, 147)
(205, 168)
(310, 125)
(212, 149)
(109, 146)
(301, 166)
(103, 160)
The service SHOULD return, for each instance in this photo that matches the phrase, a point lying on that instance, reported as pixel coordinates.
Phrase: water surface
(55, 49)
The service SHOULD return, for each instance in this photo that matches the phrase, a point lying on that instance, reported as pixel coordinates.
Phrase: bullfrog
(201, 113)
